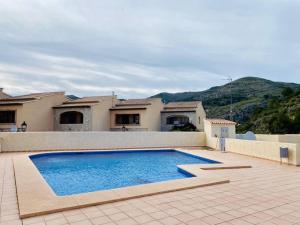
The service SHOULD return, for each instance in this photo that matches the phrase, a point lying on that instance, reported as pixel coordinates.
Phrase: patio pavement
(268, 193)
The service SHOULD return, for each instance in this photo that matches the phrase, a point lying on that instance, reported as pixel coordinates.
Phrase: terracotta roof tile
(17, 101)
(175, 110)
(140, 107)
(132, 102)
(174, 105)
(78, 105)
(37, 95)
(221, 121)
(90, 99)
(21, 99)
(85, 101)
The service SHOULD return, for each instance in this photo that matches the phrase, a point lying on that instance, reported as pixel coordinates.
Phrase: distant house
(180, 113)
(84, 114)
(33, 109)
(220, 128)
(136, 115)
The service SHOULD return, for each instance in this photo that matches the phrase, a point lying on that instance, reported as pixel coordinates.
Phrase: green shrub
(287, 92)
(185, 127)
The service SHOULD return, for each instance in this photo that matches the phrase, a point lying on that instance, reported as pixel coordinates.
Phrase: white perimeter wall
(267, 137)
(260, 149)
(287, 138)
(41, 141)
(47, 141)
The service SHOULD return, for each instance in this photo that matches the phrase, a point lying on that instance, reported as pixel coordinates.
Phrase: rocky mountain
(248, 95)
(280, 116)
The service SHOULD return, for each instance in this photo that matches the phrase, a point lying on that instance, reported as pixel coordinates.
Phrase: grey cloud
(139, 48)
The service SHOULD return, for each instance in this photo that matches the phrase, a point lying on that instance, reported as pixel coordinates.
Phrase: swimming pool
(70, 173)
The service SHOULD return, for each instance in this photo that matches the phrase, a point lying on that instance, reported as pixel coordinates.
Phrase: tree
(281, 124)
(274, 102)
(287, 92)
(297, 122)
(298, 91)
(243, 128)
(185, 127)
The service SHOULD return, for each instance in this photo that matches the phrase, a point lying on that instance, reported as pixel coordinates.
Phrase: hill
(248, 94)
(281, 116)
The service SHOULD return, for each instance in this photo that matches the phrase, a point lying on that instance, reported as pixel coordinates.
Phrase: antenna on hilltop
(229, 79)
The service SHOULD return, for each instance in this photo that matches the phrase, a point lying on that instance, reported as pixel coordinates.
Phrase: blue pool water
(79, 172)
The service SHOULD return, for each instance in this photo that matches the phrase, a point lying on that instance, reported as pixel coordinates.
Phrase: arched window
(71, 117)
(177, 120)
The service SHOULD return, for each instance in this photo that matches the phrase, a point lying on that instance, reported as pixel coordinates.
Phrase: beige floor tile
(58, 221)
(128, 221)
(169, 221)
(111, 211)
(82, 222)
(93, 214)
(266, 194)
(198, 213)
(143, 218)
(173, 211)
(153, 223)
(76, 218)
(240, 222)
(118, 216)
(197, 222)
(158, 215)
(101, 220)
(134, 212)
(39, 223)
(32, 220)
(53, 216)
(184, 217)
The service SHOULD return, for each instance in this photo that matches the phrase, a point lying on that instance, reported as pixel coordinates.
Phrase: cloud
(140, 48)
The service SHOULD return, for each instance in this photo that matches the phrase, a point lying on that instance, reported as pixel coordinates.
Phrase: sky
(140, 48)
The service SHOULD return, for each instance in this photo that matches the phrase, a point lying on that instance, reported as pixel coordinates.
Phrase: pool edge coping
(35, 196)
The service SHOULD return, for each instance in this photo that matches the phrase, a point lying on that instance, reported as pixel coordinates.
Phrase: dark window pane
(127, 119)
(8, 116)
(177, 120)
(71, 117)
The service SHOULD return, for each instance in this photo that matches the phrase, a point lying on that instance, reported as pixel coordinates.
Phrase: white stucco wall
(38, 114)
(267, 137)
(200, 114)
(1, 140)
(153, 115)
(215, 129)
(260, 149)
(101, 114)
(41, 141)
(264, 149)
(289, 138)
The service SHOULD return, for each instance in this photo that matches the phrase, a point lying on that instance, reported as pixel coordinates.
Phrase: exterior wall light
(24, 126)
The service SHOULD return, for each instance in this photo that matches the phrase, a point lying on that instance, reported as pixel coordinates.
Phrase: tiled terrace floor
(265, 194)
